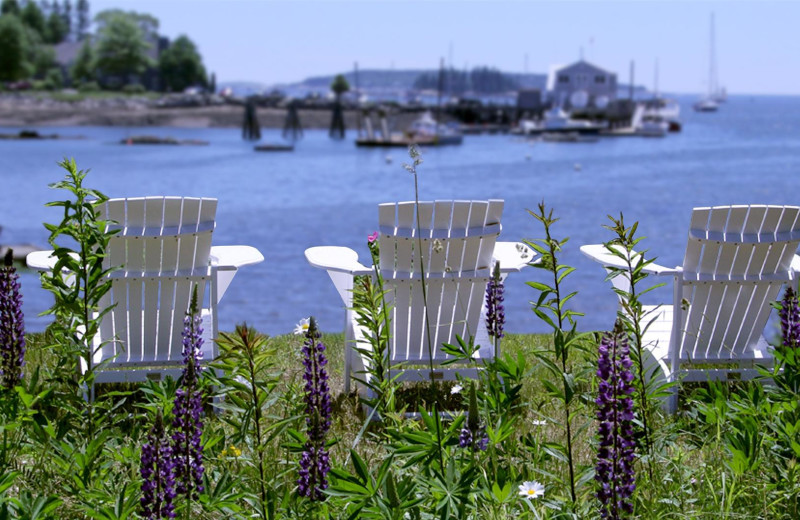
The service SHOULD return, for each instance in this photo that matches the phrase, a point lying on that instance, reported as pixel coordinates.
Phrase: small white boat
(427, 129)
(648, 124)
(557, 121)
(653, 126)
(667, 110)
(706, 105)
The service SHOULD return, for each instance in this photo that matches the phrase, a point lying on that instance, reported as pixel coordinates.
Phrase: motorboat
(557, 121)
(667, 110)
(648, 124)
(427, 129)
(652, 126)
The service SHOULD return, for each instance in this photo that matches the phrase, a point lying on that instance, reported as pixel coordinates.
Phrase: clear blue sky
(758, 42)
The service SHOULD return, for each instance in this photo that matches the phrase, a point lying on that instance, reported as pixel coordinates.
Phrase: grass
(692, 476)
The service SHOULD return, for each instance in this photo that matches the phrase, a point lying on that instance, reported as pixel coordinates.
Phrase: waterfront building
(582, 83)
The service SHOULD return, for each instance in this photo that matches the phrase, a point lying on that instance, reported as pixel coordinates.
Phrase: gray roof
(583, 66)
(66, 52)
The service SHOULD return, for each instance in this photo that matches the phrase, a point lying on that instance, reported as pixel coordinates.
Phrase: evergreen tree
(56, 32)
(10, 7)
(83, 70)
(40, 56)
(14, 64)
(181, 66)
(82, 29)
(212, 83)
(33, 17)
(66, 16)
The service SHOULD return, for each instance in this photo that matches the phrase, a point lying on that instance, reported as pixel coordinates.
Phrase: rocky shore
(31, 109)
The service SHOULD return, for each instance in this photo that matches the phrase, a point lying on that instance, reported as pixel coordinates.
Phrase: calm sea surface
(326, 192)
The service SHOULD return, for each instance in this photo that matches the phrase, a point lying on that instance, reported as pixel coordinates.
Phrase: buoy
(577, 167)
(528, 157)
(389, 159)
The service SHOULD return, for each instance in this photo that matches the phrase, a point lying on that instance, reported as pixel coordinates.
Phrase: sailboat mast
(711, 85)
(655, 82)
(439, 95)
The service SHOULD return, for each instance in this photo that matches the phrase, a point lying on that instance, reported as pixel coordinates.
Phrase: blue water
(326, 192)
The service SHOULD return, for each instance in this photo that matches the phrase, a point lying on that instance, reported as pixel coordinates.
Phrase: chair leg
(672, 401)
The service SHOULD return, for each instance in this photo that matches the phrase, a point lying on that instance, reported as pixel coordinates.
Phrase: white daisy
(456, 389)
(531, 490)
(302, 326)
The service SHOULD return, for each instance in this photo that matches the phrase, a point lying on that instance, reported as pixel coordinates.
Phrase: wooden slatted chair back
(457, 243)
(737, 258)
(161, 252)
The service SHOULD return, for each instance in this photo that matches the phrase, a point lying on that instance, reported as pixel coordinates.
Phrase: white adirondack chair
(457, 268)
(737, 259)
(163, 250)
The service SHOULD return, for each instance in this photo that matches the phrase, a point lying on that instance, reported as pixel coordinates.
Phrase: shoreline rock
(26, 110)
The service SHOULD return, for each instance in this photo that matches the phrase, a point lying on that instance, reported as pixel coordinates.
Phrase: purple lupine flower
(315, 462)
(158, 474)
(187, 449)
(12, 325)
(192, 335)
(615, 457)
(473, 435)
(495, 313)
(790, 319)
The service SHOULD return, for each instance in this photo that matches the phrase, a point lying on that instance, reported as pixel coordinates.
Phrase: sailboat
(659, 109)
(709, 103)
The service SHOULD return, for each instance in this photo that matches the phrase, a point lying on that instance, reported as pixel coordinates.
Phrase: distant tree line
(121, 51)
(484, 80)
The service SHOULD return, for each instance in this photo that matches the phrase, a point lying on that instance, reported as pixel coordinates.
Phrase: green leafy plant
(249, 385)
(635, 319)
(551, 307)
(78, 281)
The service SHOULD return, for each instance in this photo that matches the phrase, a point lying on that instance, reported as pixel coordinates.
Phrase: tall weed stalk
(78, 281)
(551, 307)
(634, 318)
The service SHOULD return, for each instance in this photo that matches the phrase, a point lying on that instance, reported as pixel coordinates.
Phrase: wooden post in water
(251, 129)
(292, 129)
(339, 87)
(358, 100)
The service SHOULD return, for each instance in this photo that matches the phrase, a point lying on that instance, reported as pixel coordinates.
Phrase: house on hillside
(66, 52)
(582, 84)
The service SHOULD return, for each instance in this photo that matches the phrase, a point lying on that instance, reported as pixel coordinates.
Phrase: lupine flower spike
(495, 312)
(314, 462)
(12, 325)
(790, 319)
(158, 475)
(473, 435)
(188, 428)
(615, 457)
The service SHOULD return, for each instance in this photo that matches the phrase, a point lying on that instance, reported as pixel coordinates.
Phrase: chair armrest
(41, 260)
(336, 259)
(235, 256)
(513, 256)
(600, 254)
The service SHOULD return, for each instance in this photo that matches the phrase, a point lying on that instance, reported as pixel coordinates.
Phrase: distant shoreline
(32, 111)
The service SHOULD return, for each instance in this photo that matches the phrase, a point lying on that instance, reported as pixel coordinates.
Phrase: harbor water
(326, 193)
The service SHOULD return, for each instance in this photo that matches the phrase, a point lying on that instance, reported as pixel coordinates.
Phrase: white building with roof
(581, 84)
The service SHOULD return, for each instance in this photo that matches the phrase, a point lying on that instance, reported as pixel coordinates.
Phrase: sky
(274, 42)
